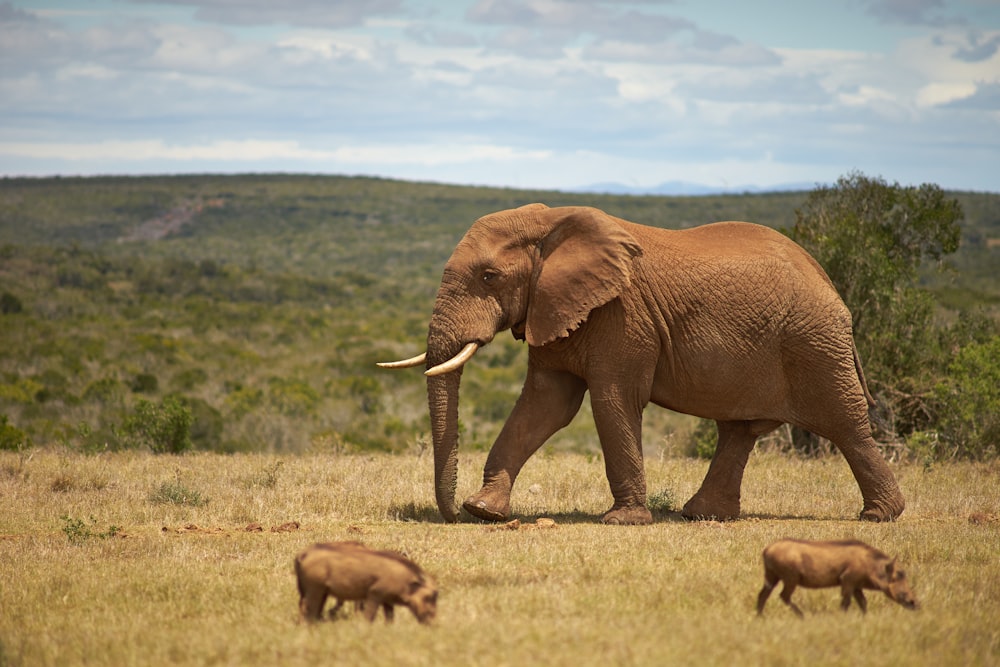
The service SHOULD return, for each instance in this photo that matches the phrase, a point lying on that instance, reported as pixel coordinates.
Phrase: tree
(871, 237)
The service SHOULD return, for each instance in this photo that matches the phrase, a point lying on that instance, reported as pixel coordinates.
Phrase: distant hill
(685, 188)
(264, 301)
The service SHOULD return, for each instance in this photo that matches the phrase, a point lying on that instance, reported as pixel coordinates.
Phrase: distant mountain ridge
(687, 188)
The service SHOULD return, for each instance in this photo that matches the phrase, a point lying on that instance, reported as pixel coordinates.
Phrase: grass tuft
(177, 493)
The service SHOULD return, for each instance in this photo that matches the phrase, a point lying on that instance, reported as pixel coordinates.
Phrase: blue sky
(519, 93)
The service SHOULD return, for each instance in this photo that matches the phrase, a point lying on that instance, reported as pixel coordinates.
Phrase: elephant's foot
(488, 506)
(700, 508)
(883, 511)
(637, 515)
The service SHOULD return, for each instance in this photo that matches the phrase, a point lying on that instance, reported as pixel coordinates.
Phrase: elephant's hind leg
(883, 501)
(719, 495)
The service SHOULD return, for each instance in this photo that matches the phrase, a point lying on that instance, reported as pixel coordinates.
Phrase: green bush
(705, 438)
(107, 390)
(144, 383)
(292, 397)
(23, 390)
(207, 424)
(10, 304)
(85, 439)
(871, 238)
(190, 378)
(164, 428)
(494, 403)
(243, 400)
(12, 439)
(970, 401)
(368, 392)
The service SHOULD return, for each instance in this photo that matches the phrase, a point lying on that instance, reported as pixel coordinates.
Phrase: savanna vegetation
(246, 313)
(130, 558)
(188, 397)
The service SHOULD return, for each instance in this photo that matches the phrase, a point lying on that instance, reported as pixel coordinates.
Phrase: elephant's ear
(583, 263)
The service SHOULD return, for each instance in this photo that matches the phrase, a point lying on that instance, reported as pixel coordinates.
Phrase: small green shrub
(23, 390)
(926, 447)
(10, 304)
(293, 398)
(144, 383)
(368, 392)
(190, 378)
(106, 390)
(662, 502)
(85, 439)
(163, 427)
(266, 477)
(243, 400)
(207, 424)
(175, 492)
(12, 439)
(705, 438)
(79, 531)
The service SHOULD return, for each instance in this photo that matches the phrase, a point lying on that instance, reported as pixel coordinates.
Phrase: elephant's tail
(861, 376)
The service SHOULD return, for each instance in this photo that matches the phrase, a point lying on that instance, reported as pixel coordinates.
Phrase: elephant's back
(749, 243)
(734, 237)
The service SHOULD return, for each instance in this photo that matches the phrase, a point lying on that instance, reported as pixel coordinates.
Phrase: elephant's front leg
(618, 417)
(548, 402)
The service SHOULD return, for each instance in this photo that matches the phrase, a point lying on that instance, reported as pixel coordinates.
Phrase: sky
(558, 94)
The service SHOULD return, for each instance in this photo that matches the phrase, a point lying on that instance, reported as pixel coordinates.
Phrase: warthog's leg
(370, 608)
(332, 612)
(311, 604)
(862, 602)
(770, 580)
(786, 596)
(765, 593)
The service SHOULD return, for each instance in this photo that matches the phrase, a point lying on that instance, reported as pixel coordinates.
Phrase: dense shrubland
(246, 313)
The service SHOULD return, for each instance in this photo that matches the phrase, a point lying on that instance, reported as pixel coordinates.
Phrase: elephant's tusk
(405, 363)
(455, 362)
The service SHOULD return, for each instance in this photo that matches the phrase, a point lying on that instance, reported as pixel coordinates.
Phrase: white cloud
(934, 94)
(252, 150)
(86, 71)
(153, 149)
(522, 95)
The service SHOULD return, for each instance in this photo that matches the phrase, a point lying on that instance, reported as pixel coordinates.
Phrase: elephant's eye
(490, 275)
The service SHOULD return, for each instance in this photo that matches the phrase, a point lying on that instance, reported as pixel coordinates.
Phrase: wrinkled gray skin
(729, 321)
(849, 564)
(351, 571)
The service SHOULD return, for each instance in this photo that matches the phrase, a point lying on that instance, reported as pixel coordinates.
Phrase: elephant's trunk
(442, 400)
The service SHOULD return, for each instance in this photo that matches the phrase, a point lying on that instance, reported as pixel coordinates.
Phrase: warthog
(351, 571)
(850, 564)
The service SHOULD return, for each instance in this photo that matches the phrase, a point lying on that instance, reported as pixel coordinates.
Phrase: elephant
(729, 321)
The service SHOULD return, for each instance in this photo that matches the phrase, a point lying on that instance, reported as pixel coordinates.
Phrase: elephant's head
(536, 270)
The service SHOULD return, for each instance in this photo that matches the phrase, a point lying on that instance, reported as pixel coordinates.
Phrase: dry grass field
(135, 559)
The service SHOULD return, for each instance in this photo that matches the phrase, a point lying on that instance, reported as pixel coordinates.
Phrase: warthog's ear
(886, 573)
